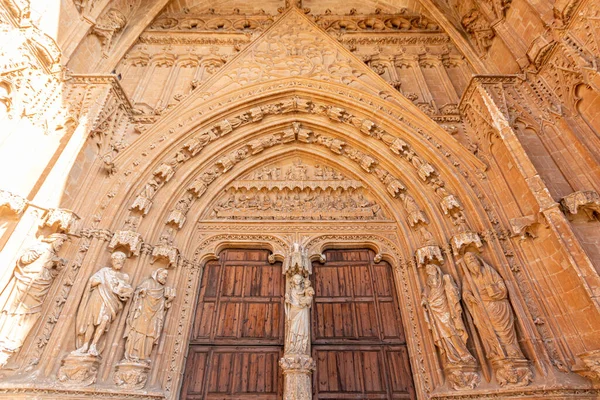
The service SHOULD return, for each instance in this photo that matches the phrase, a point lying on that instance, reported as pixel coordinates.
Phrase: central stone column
(296, 363)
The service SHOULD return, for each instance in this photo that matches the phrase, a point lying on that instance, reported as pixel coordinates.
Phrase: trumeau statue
(297, 363)
(443, 314)
(103, 299)
(298, 301)
(486, 296)
(23, 297)
(145, 321)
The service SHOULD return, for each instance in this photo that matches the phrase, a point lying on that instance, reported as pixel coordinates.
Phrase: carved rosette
(297, 370)
(11, 202)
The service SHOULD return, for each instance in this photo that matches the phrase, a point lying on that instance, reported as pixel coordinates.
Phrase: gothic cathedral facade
(299, 199)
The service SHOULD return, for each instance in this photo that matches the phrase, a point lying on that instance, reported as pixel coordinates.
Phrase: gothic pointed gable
(294, 46)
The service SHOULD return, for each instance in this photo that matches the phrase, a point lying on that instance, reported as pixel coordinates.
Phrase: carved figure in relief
(151, 300)
(487, 298)
(298, 301)
(443, 313)
(103, 299)
(23, 297)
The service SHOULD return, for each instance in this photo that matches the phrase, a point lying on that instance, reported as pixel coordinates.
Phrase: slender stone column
(297, 364)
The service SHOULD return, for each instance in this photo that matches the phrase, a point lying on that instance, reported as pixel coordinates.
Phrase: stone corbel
(429, 254)
(130, 240)
(167, 253)
(141, 204)
(591, 365)
(164, 172)
(297, 261)
(524, 226)
(450, 204)
(463, 240)
(587, 201)
(12, 203)
(61, 219)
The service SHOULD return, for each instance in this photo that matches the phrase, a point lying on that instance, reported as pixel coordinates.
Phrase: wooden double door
(357, 339)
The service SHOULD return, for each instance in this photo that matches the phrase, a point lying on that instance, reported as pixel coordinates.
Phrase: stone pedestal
(79, 370)
(297, 371)
(462, 377)
(512, 372)
(131, 375)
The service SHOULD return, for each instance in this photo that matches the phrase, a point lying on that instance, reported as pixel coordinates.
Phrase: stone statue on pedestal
(23, 297)
(296, 363)
(486, 297)
(443, 314)
(103, 298)
(145, 321)
(298, 301)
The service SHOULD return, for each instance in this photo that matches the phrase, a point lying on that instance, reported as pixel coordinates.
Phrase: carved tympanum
(24, 296)
(145, 321)
(443, 314)
(486, 296)
(297, 191)
(103, 298)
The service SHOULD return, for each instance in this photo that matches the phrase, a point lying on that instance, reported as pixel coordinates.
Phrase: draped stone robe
(103, 297)
(494, 314)
(145, 320)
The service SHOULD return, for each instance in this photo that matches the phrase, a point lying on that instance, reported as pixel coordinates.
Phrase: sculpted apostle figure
(298, 301)
(102, 300)
(151, 300)
(487, 299)
(444, 316)
(23, 297)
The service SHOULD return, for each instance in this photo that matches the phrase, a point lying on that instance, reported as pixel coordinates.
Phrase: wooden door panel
(362, 372)
(231, 372)
(237, 337)
(358, 339)
(241, 298)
